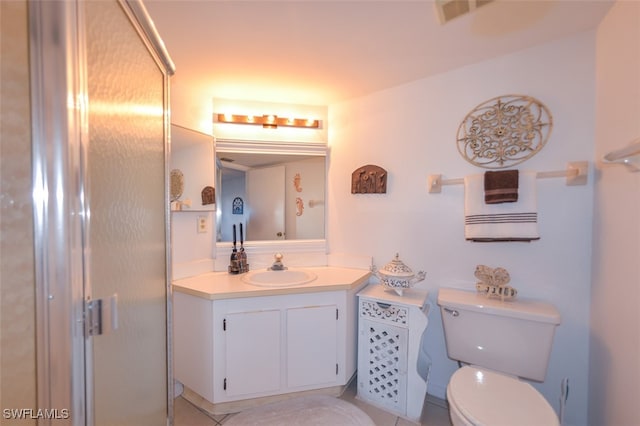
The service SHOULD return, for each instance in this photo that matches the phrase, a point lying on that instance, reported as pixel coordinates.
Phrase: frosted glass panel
(127, 225)
(17, 292)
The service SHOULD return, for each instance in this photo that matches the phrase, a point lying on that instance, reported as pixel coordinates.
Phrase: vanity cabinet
(231, 350)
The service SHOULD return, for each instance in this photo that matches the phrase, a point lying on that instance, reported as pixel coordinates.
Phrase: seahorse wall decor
(369, 179)
(296, 182)
(299, 206)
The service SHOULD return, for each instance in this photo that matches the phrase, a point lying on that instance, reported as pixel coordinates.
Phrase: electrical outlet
(202, 224)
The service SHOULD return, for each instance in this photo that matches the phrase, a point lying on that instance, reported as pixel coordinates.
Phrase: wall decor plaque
(369, 179)
(208, 195)
(504, 131)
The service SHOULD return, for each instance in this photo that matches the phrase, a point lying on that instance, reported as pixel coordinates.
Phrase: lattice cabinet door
(382, 364)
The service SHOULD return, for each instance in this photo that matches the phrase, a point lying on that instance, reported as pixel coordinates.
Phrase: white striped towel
(501, 222)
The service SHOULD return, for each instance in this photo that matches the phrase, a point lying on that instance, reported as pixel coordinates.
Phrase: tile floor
(436, 414)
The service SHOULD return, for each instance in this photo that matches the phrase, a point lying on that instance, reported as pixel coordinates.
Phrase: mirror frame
(222, 145)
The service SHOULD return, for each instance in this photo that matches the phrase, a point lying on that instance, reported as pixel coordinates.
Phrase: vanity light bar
(268, 121)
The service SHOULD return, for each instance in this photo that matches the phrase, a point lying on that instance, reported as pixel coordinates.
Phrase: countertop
(222, 285)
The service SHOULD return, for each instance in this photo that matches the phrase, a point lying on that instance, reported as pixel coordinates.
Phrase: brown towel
(501, 187)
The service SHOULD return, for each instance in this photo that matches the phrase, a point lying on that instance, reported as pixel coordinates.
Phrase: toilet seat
(479, 396)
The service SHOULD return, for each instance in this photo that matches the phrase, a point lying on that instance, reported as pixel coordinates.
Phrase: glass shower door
(126, 157)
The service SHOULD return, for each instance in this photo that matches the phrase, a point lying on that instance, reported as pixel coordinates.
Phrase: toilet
(501, 342)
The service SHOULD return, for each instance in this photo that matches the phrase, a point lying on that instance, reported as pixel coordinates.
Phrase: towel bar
(629, 156)
(576, 174)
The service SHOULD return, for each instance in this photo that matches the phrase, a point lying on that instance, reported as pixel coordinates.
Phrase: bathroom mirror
(275, 190)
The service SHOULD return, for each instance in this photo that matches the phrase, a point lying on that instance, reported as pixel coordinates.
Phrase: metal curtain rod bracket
(576, 173)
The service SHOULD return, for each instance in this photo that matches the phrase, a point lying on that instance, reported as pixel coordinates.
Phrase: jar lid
(397, 268)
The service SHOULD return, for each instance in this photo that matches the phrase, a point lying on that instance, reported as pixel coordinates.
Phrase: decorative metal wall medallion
(369, 179)
(504, 131)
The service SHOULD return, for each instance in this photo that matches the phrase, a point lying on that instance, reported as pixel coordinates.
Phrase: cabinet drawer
(384, 312)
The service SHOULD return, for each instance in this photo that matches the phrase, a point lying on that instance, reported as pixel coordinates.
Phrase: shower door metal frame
(59, 108)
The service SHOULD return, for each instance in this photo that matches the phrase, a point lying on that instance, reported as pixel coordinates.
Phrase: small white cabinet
(392, 367)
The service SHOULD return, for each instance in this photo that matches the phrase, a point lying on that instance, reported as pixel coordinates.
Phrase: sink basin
(285, 278)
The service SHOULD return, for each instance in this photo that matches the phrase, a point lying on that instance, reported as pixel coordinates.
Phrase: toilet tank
(513, 337)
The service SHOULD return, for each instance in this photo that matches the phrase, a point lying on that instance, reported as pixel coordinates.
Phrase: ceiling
(319, 52)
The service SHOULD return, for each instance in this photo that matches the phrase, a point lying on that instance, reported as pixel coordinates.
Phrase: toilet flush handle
(452, 312)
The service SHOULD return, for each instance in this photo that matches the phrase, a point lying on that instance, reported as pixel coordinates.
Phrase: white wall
(411, 132)
(192, 154)
(192, 251)
(615, 314)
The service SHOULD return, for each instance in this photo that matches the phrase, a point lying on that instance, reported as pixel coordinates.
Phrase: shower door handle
(101, 316)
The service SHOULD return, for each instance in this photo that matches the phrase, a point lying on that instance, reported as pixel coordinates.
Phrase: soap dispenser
(242, 255)
(234, 264)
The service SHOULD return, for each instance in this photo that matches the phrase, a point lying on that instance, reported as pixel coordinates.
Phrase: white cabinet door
(252, 352)
(312, 353)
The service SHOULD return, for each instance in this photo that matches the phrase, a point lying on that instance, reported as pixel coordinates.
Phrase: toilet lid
(485, 397)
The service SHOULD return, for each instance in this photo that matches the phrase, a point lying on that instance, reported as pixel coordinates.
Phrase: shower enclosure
(100, 126)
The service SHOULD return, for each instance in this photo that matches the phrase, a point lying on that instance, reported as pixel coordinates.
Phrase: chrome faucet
(277, 264)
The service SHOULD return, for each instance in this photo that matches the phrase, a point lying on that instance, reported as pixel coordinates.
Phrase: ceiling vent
(450, 9)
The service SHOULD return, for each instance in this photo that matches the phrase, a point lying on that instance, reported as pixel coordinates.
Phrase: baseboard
(437, 391)
(241, 405)
(437, 401)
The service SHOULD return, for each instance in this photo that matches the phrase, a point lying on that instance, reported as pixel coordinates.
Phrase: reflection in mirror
(274, 196)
